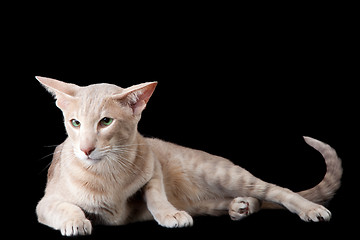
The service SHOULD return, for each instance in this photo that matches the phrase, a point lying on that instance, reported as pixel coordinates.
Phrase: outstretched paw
(242, 207)
(176, 219)
(76, 227)
(317, 213)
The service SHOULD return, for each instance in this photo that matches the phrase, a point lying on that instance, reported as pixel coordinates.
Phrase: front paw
(76, 227)
(316, 213)
(176, 219)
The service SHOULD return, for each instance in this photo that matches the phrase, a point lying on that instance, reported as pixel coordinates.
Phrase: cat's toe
(316, 214)
(241, 207)
(183, 219)
(76, 227)
(177, 220)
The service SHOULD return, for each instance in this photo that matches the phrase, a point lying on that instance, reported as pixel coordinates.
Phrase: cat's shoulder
(56, 159)
(168, 149)
(158, 144)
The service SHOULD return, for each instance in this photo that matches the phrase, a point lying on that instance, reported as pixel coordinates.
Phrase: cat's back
(172, 154)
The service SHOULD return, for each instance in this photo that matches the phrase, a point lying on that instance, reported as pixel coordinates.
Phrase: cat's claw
(316, 214)
(176, 220)
(76, 227)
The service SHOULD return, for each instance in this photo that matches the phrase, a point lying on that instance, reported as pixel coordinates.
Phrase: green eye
(106, 121)
(75, 123)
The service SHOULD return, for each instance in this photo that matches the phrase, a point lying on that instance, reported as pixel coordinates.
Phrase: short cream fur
(106, 172)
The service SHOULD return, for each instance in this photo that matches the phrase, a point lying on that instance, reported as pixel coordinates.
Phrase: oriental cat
(106, 172)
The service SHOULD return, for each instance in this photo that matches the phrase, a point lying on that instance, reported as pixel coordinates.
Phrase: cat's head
(101, 116)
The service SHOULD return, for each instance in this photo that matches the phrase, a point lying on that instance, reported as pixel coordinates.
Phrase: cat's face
(96, 123)
(99, 118)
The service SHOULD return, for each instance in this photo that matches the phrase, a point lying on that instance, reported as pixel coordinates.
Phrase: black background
(245, 88)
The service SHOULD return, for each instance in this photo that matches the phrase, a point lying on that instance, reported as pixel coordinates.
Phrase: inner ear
(136, 97)
(62, 101)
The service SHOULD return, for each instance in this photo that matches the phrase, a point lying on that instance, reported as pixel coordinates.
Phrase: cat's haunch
(106, 172)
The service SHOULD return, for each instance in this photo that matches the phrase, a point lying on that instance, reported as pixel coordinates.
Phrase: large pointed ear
(63, 92)
(137, 96)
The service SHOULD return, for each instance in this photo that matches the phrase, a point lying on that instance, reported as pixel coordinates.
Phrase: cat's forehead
(100, 89)
(92, 99)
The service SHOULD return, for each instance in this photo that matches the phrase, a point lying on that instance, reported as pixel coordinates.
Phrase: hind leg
(242, 207)
(238, 208)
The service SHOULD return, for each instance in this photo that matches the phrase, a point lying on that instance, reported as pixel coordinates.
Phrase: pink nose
(88, 150)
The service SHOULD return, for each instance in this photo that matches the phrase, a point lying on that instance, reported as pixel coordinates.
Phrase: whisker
(45, 168)
(115, 154)
(47, 155)
(135, 144)
(48, 146)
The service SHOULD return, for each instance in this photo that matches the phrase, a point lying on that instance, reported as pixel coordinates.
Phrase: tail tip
(307, 139)
(313, 142)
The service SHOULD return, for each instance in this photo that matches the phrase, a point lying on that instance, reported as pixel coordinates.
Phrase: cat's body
(107, 173)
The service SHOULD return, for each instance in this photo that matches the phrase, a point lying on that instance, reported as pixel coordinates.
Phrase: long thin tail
(327, 188)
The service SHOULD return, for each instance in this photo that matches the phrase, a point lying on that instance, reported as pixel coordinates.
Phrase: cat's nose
(88, 150)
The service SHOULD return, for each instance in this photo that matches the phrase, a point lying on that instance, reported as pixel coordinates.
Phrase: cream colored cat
(105, 172)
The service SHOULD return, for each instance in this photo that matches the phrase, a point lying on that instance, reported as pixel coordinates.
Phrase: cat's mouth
(93, 157)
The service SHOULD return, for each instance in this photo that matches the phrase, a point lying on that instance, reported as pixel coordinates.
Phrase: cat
(106, 172)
